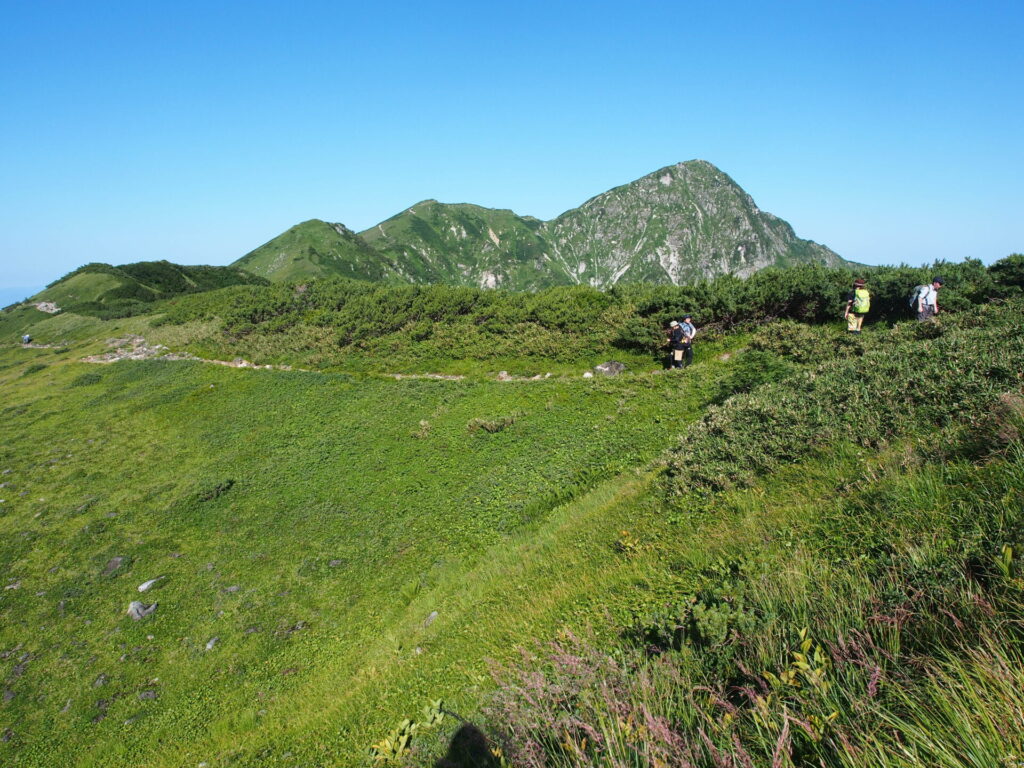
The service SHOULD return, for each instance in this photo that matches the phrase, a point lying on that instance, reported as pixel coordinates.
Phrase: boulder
(611, 368)
(139, 611)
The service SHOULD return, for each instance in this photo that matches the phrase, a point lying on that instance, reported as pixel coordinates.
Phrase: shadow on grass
(469, 748)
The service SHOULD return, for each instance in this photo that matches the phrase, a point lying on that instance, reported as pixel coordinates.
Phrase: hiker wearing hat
(676, 345)
(928, 300)
(858, 302)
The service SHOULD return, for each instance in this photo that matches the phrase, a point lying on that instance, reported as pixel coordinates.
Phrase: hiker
(858, 302)
(689, 331)
(676, 345)
(927, 301)
(26, 339)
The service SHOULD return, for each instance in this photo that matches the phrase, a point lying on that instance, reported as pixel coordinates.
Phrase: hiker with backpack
(680, 342)
(689, 331)
(858, 302)
(675, 345)
(925, 300)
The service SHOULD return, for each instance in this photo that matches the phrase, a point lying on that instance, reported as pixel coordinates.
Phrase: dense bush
(915, 378)
(630, 317)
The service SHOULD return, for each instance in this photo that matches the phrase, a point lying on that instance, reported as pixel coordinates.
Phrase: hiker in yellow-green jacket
(858, 302)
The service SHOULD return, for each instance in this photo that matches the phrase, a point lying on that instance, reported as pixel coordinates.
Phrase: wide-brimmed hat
(673, 324)
(859, 282)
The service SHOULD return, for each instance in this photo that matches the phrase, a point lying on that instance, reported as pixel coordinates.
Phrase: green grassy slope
(465, 244)
(313, 523)
(344, 511)
(107, 291)
(314, 249)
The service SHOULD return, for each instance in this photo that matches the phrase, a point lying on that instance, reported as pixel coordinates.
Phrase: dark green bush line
(629, 316)
(914, 378)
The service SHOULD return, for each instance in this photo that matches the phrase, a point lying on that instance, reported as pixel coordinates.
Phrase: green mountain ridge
(106, 289)
(316, 248)
(682, 223)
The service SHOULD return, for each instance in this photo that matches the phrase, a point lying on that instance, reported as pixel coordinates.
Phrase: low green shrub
(902, 385)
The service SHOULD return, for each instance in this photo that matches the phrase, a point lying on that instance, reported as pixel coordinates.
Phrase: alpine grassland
(416, 548)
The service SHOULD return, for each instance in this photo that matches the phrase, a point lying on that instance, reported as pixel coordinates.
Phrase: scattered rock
(112, 565)
(335, 563)
(611, 368)
(148, 695)
(232, 589)
(588, 375)
(19, 670)
(7, 735)
(430, 619)
(139, 610)
(503, 376)
(211, 642)
(48, 307)
(148, 585)
(175, 555)
(100, 681)
(252, 630)
(724, 356)
(67, 707)
(8, 695)
(14, 585)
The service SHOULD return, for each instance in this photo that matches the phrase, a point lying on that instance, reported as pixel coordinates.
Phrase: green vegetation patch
(301, 529)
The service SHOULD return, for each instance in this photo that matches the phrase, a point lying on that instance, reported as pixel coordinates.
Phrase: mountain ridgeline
(680, 224)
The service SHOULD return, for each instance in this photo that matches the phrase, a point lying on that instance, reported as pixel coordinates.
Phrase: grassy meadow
(310, 522)
(801, 551)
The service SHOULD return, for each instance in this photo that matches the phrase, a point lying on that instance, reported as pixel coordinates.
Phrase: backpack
(861, 301)
(917, 293)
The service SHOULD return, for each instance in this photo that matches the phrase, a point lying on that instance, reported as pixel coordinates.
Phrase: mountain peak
(681, 223)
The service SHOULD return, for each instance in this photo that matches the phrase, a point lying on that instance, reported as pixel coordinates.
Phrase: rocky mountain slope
(679, 224)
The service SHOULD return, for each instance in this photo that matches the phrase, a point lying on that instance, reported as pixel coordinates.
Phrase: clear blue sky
(196, 131)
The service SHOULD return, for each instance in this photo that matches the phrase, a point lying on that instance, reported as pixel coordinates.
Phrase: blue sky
(196, 131)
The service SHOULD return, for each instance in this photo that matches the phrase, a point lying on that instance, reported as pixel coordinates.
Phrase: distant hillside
(315, 248)
(468, 245)
(682, 223)
(117, 291)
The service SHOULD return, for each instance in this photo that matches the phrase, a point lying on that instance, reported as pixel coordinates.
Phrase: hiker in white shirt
(928, 300)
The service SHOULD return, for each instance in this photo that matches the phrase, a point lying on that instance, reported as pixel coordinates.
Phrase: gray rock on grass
(148, 585)
(112, 565)
(611, 368)
(139, 611)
